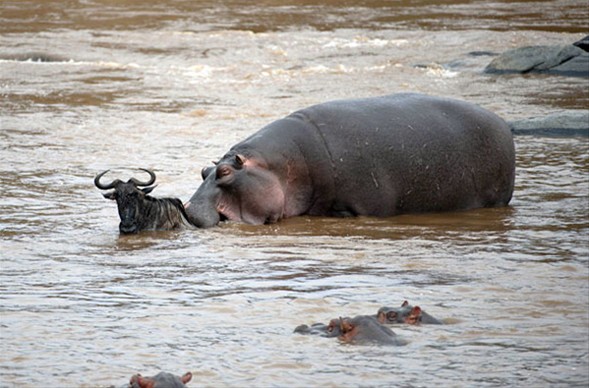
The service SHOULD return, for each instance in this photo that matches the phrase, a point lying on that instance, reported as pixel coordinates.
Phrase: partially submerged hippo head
(161, 380)
(412, 315)
(362, 329)
(236, 189)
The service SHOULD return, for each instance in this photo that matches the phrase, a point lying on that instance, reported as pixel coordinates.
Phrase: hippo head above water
(362, 329)
(161, 380)
(412, 315)
(237, 189)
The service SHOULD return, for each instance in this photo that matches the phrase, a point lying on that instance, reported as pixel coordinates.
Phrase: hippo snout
(201, 216)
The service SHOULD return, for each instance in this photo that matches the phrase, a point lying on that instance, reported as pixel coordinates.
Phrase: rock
(583, 43)
(566, 124)
(563, 60)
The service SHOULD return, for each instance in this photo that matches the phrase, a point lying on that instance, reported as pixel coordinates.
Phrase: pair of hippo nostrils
(364, 329)
(380, 156)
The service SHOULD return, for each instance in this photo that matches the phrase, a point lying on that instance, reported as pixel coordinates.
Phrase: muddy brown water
(171, 85)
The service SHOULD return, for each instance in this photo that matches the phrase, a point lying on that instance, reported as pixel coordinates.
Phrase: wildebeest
(138, 210)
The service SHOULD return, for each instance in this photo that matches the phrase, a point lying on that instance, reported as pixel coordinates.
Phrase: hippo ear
(186, 377)
(405, 304)
(112, 195)
(205, 172)
(381, 316)
(346, 326)
(239, 160)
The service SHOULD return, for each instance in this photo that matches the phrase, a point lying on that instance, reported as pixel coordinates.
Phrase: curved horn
(139, 183)
(104, 187)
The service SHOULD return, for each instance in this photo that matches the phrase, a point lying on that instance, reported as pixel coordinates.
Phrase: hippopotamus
(412, 315)
(161, 380)
(362, 329)
(381, 156)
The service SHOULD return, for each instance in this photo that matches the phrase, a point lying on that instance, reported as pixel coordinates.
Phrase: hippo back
(412, 153)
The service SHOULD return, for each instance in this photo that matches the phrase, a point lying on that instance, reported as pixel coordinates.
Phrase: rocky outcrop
(568, 60)
(565, 124)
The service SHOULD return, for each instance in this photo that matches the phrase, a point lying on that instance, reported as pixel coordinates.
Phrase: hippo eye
(392, 315)
(223, 171)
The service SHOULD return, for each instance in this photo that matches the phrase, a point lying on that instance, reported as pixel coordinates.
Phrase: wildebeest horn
(139, 183)
(104, 187)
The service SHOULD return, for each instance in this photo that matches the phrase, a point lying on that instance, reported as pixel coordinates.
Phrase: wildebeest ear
(205, 172)
(147, 190)
(381, 316)
(110, 195)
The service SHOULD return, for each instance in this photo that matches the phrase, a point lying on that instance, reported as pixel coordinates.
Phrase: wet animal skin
(139, 211)
(161, 380)
(412, 315)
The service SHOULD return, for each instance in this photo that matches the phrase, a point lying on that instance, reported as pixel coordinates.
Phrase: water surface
(171, 85)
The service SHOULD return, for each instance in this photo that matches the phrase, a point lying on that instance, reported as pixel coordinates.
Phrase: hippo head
(405, 314)
(161, 380)
(237, 188)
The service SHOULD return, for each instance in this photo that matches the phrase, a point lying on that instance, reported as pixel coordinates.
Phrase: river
(170, 85)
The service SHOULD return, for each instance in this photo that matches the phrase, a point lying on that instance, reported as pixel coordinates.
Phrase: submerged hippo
(161, 380)
(362, 329)
(412, 315)
(382, 156)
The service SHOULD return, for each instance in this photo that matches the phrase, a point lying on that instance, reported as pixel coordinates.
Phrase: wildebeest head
(130, 197)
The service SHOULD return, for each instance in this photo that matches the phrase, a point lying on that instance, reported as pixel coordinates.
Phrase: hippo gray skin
(383, 156)
(161, 380)
(362, 329)
(412, 315)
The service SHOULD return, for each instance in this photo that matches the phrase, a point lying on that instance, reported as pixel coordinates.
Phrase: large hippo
(383, 156)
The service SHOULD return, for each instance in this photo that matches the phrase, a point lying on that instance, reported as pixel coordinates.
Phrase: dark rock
(482, 54)
(565, 124)
(583, 43)
(533, 58)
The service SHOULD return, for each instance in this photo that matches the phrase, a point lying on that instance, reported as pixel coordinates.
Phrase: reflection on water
(171, 86)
